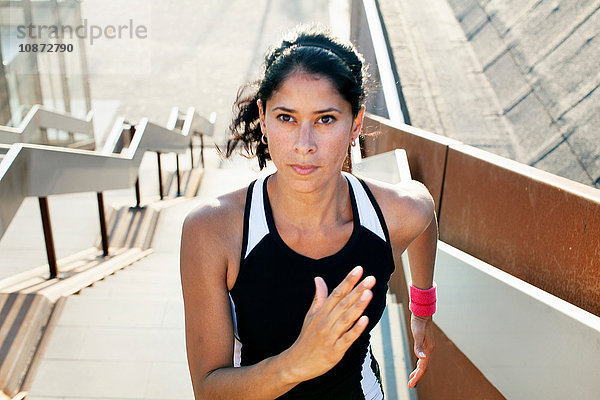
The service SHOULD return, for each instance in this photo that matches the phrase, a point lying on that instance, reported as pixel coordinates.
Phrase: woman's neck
(328, 206)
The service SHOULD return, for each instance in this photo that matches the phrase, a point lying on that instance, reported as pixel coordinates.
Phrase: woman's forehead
(301, 91)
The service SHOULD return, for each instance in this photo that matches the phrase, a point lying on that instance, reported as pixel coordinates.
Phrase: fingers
(345, 304)
(419, 371)
(352, 305)
(416, 375)
(320, 295)
(346, 340)
(343, 288)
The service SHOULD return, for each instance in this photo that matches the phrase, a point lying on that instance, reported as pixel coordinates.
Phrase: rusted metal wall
(426, 151)
(539, 227)
(536, 226)
(451, 375)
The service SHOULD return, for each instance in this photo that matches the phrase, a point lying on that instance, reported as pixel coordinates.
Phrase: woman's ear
(261, 116)
(358, 122)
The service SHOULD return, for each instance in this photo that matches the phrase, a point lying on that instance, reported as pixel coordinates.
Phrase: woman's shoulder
(216, 222)
(211, 241)
(407, 207)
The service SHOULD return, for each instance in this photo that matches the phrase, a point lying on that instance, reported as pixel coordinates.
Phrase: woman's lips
(304, 169)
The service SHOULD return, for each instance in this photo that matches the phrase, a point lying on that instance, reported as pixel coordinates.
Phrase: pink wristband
(423, 302)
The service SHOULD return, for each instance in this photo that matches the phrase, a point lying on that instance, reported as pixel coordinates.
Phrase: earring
(353, 142)
(263, 140)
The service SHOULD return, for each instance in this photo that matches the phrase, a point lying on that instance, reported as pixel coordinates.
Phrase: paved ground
(443, 83)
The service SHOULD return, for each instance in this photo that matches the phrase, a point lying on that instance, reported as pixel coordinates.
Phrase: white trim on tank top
(258, 227)
(257, 224)
(369, 383)
(366, 211)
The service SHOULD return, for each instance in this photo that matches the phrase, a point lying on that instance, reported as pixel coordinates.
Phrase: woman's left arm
(421, 256)
(409, 211)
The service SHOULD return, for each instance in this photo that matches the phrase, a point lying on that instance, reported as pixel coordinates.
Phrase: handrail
(42, 117)
(368, 33)
(194, 124)
(40, 170)
(384, 67)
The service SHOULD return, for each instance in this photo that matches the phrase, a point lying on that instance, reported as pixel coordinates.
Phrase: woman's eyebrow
(289, 110)
(330, 109)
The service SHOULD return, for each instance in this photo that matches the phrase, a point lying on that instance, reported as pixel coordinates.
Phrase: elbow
(201, 385)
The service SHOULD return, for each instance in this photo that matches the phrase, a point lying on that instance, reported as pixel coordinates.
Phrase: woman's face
(308, 125)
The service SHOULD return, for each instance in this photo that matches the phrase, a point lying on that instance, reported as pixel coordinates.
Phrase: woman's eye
(327, 119)
(285, 117)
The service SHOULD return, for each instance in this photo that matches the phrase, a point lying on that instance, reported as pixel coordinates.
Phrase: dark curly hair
(310, 49)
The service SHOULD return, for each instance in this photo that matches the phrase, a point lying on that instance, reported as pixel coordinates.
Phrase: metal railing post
(103, 233)
(48, 237)
(138, 200)
(160, 185)
(202, 148)
(191, 153)
(137, 193)
(178, 177)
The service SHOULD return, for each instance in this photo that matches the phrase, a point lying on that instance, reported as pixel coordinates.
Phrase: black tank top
(275, 288)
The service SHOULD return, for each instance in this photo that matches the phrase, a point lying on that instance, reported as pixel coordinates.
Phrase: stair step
(131, 275)
(101, 293)
(23, 321)
(122, 311)
(127, 290)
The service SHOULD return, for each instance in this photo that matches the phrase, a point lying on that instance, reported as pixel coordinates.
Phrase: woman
(257, 264)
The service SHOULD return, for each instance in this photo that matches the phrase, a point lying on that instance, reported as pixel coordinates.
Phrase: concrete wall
(541, 59)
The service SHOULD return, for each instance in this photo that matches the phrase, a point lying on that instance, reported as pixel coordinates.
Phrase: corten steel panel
(539, 227)
(426, 151)
(450, 375)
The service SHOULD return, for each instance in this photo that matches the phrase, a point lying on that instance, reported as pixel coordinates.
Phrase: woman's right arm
(208, 320)
(329, 327)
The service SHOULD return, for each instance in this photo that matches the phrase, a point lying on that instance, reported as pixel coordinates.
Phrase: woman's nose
(305, 142)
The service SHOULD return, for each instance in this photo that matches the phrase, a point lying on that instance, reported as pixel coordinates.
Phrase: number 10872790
(45, 47)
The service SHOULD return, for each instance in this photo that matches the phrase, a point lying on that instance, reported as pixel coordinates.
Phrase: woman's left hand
(424, 340)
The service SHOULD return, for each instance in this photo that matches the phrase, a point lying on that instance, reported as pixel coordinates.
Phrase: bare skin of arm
(210, 248)
(409, 212)
(421, 255)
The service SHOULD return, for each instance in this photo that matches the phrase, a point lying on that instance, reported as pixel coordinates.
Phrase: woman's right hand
(330, 327)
